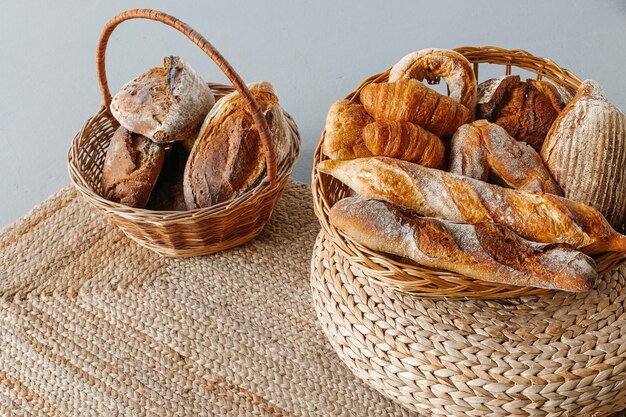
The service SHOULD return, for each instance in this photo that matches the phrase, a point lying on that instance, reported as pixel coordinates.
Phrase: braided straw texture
(186, 233)
(558, 354)
(419, 280)
(92, 324)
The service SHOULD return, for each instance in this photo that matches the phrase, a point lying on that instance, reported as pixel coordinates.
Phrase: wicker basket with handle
(184, 233)
(420, 280)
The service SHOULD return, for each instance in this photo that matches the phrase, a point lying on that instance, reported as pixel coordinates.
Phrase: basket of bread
(182, 166)
(499, 189)
(469, 261)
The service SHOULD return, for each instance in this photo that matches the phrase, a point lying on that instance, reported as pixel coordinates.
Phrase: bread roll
(586, 153)
(431, 192)
(485, 251)
(526, 110)
(131, 168)
(433, 64)
(229, 157)
(404, 140)
(165, 104)
(411, 101)
(480, 148)
(344, 131)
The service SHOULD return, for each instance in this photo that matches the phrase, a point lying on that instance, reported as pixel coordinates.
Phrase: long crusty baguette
(485, 251)
(535, 216)
(480, 148)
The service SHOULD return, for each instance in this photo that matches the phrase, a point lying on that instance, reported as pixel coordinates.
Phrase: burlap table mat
(93, 324)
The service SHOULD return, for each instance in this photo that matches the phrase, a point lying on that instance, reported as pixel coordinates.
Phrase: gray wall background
(314, 52)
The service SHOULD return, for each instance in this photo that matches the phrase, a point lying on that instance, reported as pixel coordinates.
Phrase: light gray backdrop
(314, 52)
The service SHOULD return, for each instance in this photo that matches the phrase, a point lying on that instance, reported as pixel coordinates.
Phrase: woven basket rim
(415, 279)
(168, 216)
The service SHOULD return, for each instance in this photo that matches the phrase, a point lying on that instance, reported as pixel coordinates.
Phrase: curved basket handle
(214, 54)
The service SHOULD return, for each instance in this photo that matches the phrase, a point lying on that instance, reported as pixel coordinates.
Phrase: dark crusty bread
(165, 104)
(431, 192)
(131, 168)
(480, 148)
(343, 137)
(411, 101)
(526, 110)
(404, 140)
(485, 251)
(228, 157)
(585, 151)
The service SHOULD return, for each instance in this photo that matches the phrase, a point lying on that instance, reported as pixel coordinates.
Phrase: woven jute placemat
(93, 324)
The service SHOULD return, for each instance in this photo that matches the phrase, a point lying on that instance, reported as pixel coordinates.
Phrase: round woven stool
(558, 354)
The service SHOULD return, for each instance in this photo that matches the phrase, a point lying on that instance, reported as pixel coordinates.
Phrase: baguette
(485, 251)
(480, 148)
(534, 216)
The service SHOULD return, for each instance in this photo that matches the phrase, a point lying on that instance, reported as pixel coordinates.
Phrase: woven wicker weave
(188, 233)
(559, 354)
(419, 280)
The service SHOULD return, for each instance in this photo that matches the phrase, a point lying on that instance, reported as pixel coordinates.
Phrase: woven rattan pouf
(554, 355)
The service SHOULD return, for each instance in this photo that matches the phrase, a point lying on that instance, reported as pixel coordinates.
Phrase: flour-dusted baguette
(485, 251)
(480, 148)
(586, 152)
(165, 104)
(432, 64)
(404, 140)
(343, 137)
(411, 101)
(539, 217)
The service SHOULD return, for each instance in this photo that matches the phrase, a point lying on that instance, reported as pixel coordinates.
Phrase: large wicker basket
(185, 233)
(423, 281)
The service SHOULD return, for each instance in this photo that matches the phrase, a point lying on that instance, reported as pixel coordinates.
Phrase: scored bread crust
(585, 151)
(165, 104)
(411, 101)
(431, 192)
(485, 251)
(432, 64)
(481, 148)
(131, 167)
(229, 157)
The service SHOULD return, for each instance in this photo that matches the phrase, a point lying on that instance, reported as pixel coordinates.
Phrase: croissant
(411, 101)
(404, 140)
(343, 131)
(431, 192)
(585, 151)
(480, 148)
(433, 64)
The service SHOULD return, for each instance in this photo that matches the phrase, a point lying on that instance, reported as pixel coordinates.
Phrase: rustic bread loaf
(343, 137)
(165, 104)
(131, 168)
(431, 192)
(404, 140)
(586, 152)
(411, 101)
(229, 157)
(485, 251)
(482, 148)
(433, 64)
(526, 110)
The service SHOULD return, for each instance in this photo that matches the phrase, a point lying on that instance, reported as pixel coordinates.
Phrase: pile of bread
(179, 149)
(507, 181)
